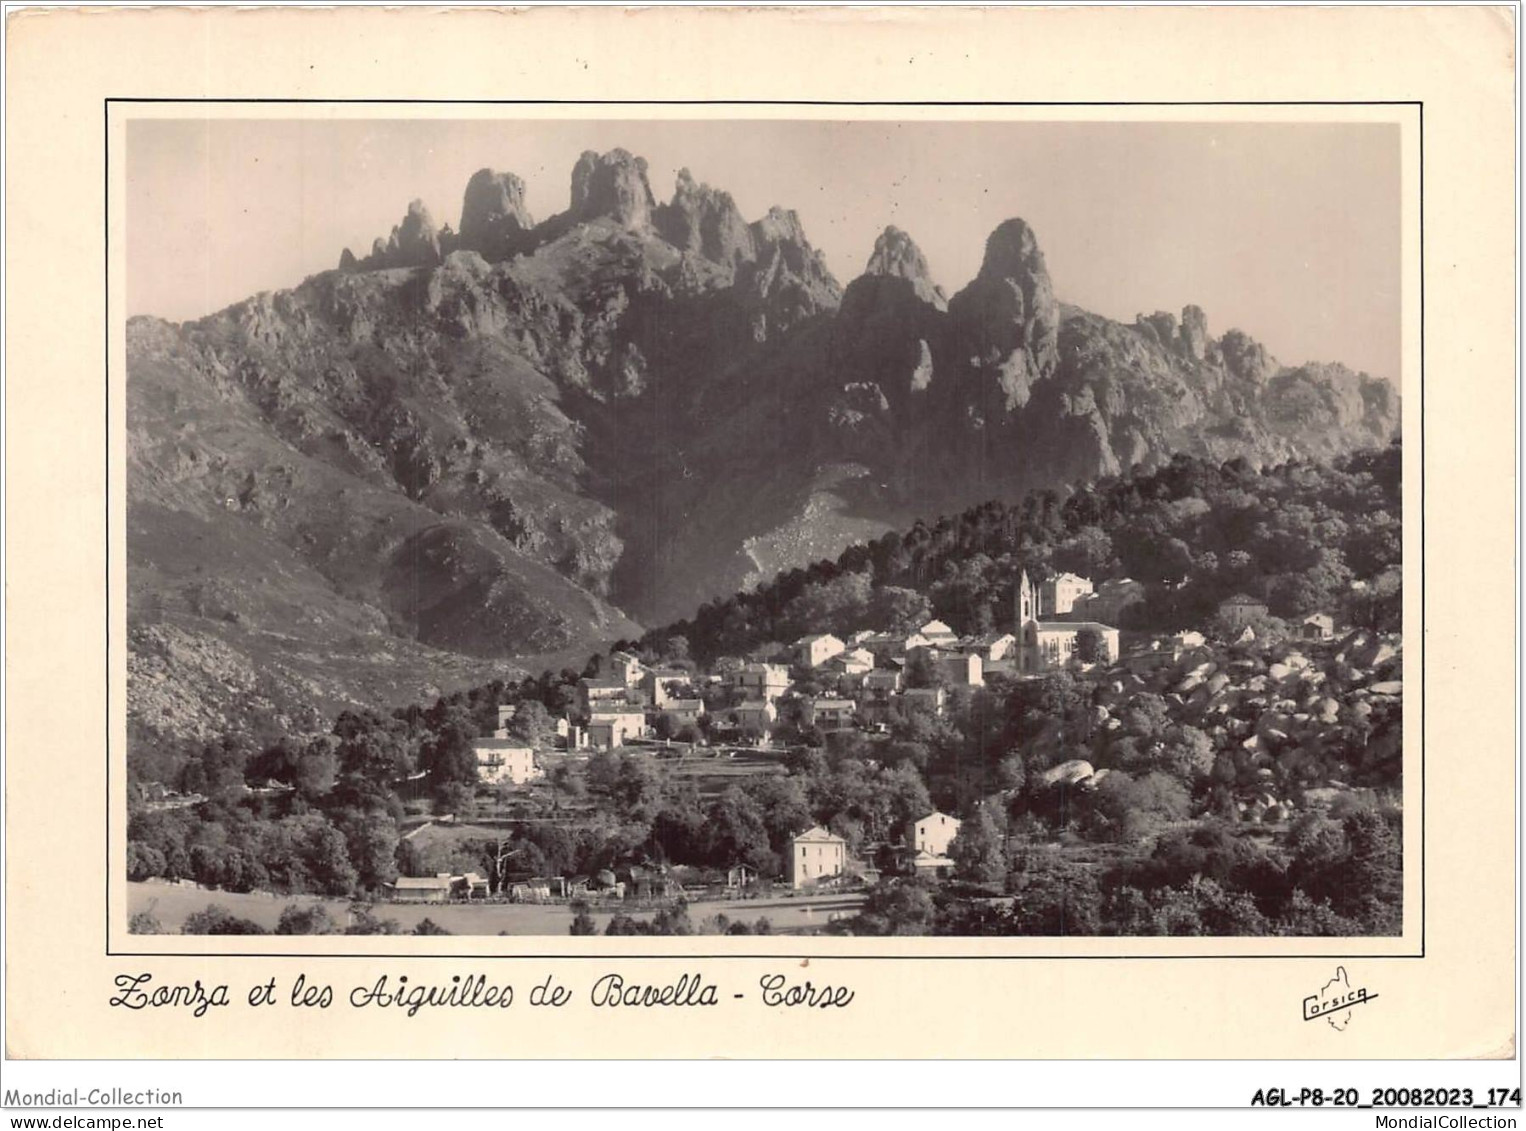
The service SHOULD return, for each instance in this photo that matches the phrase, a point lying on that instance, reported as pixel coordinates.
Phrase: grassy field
(170, 904)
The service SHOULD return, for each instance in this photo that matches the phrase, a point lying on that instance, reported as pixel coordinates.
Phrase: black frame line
(1419, 104)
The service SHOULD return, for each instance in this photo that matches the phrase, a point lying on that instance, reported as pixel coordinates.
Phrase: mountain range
(497, 446)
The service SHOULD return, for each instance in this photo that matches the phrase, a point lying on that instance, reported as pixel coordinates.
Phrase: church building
(1047, 645)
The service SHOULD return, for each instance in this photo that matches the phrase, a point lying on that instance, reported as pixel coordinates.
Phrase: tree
(144, 923)
(1054, 898)
(563, 779)
(894, 609)
(582, 921)
(216, 920)
(978, 849)
(1127, 809)
(1012, 772)
(313, 919)
(143, 861)
(923, 670)
(427, 926)
(532, 724)
(903, 907)
(449, 755)
(1090, 647)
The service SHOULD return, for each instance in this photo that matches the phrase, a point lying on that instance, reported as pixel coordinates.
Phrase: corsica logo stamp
(1336, 1000)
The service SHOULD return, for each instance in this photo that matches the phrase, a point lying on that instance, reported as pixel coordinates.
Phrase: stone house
(612, 728)
(1241, 609)
(1318, 626)
(759, 681)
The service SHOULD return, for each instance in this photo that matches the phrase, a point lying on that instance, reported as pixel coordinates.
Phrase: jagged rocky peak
(1008, 318)
(612, 185)
(705, 221)
(494, 219)
(415, 242)
(1189, 338)
(789, 280)
(418, 240)
(780, 226)
(1012, 252)
(1246, 358)
(896, 255)
(779, 238)
(1194, 332)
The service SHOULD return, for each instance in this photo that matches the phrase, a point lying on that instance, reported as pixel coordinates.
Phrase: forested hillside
(1194, 532)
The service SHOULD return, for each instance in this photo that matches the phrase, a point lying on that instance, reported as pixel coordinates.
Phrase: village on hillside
(952, 731)
(821, 689)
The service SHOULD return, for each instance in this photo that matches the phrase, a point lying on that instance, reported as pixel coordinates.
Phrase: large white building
(815, 855)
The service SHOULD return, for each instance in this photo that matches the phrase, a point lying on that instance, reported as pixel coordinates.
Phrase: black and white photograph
(764, 527)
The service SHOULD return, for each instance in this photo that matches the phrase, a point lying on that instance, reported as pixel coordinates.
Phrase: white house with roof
(850, 664)
(815, 855)
(1058, 594)
(938, 634)
(601, 695)
(932, 833)
(759, 681)
(684, 711)
(505, 761)
(889, 645)
(814, 650)
(615, 727)
(626, 668)
(421, 889)
(755, 714)
(992, 647)
(828, 713)
(1318, 626)
(658, 683)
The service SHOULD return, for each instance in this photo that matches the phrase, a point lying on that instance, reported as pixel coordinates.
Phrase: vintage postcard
(717, 566)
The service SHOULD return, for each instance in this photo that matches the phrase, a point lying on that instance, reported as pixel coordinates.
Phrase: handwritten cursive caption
(409, 997)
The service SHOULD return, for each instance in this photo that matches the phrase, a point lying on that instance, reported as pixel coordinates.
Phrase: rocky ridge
(516, 438)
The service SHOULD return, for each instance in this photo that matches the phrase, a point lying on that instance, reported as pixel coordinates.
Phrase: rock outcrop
(1007, 321)
(705, 221)
(494, 219)
(415, 242)
(612, 185)
(789, 280)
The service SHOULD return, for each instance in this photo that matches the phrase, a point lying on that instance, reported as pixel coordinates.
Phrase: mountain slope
(524, 438)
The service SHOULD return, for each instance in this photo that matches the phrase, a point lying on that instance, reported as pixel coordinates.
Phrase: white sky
(1287, 231)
